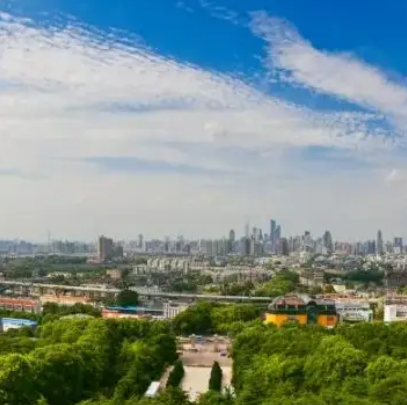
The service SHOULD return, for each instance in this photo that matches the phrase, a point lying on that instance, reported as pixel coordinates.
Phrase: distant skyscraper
(273, 226)
(231, 241)
(398, 242)
(277, 235)
(247, 230)
(105, 248)
(327, 241)
(140, 241)
(379, 243)
(285, 248)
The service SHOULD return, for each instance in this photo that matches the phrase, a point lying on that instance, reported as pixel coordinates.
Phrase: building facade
(20, 304)
(354, 312)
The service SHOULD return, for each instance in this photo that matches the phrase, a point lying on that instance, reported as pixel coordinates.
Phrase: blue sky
(215, 112)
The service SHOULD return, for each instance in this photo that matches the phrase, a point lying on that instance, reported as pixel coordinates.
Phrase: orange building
(302, 309)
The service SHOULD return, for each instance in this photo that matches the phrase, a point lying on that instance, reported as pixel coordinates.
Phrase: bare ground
(198, 364)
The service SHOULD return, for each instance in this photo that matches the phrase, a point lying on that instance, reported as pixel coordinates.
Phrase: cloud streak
(294, 60)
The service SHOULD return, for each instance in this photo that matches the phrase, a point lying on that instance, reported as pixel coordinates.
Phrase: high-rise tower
(379, 243)
(327, 241)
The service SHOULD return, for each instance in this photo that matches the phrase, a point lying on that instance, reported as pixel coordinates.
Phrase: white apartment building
(172, 309)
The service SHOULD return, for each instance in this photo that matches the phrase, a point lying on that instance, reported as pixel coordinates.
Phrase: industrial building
(301, 309)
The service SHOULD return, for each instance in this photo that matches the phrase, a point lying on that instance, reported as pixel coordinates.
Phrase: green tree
(127, 298)
(215, 381)
(176, 375)
(196, 319)
(54, 366)
(334, 359)
(16, 383)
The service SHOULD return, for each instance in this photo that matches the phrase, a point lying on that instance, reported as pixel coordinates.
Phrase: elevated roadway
(141, 291)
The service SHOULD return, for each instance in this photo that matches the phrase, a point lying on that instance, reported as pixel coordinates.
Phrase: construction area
(198, 355)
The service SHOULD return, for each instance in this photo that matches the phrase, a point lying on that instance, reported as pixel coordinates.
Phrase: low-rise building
(20, 304)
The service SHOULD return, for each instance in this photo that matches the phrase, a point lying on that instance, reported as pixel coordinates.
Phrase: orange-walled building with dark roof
(302, 309)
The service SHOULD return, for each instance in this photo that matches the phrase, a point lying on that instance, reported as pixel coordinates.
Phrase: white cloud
(70, 94)
(343, 75)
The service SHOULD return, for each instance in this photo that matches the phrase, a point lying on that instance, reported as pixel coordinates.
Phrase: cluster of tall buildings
(253, 242)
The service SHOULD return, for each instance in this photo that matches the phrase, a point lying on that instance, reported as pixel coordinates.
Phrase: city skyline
(195, 116)
(247, 230)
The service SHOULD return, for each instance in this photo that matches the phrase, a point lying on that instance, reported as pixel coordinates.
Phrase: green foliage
(196, 319)
(63, 310)
(373, 275)
(176, 375)
(215, 381)
(16, 383)
(284, 282)
(127, 298)
(205, 318)
(361, 364)
(72, 360)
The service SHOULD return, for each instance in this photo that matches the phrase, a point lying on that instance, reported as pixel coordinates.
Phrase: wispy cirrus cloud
(295, 61)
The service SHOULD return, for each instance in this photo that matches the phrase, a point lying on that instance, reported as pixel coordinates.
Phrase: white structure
(171, 309)
(354, 312)
(395, 312)
(153, 389)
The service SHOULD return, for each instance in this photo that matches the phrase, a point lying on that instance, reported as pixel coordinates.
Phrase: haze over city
(194, 117)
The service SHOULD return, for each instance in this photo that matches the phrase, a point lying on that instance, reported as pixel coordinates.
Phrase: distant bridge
(143, 292)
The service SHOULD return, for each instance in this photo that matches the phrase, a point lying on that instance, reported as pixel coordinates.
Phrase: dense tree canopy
(93, 361)
(74, 359)
(354, 364)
